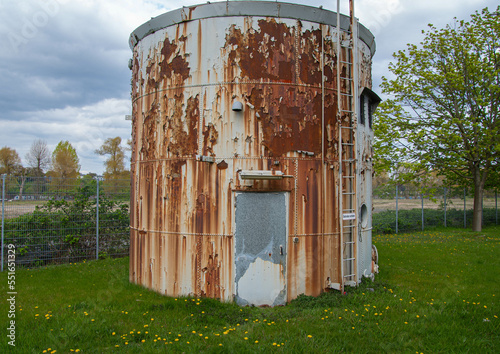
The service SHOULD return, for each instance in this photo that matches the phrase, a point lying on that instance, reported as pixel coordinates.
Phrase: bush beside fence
(408, 209)
(411, 220)
(60, 221)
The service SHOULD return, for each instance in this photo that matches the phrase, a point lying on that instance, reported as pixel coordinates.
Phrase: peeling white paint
(252, 289)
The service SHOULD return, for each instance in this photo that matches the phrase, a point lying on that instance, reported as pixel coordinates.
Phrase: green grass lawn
(436, 292)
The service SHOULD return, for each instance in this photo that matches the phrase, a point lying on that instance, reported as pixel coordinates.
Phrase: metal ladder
(346, 100)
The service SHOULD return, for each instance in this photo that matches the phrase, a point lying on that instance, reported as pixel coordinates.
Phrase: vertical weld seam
(322, 95)
(201, 115)
(323, 182)
(198, 265)
(297, 52)
(295, 197)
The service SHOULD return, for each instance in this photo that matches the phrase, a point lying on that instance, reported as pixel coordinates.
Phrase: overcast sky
(64, 73)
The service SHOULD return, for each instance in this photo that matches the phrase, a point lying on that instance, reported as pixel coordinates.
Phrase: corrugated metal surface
(185, 79)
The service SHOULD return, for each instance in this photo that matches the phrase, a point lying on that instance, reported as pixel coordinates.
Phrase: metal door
(261, 223)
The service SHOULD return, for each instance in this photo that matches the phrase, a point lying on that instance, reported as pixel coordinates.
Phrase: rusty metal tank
(238, 170)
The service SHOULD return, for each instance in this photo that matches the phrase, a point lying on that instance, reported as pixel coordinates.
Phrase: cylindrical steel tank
(239, 179)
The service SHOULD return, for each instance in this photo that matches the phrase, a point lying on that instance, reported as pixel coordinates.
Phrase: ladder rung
(349, 243)
(349, 259)
(348, 276)
(348, 193)
(345, 62)
(348, 226)
(348, 176)
(346, 78)
(347, 144)
(346, 94)
(344, 127)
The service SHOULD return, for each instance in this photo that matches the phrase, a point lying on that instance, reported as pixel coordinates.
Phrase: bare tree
(38, 158)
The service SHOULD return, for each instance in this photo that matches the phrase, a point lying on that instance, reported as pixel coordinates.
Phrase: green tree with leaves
(115, 164)
(443, 114)
(10, 163)
(65, 162)
(116, 178)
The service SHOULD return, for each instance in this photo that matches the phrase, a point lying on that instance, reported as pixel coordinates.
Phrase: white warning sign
(349, 216)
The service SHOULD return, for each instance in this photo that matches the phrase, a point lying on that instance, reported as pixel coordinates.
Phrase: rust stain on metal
(183, 128)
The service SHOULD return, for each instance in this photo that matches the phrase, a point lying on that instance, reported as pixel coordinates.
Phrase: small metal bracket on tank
(307, 153)
(202, 158)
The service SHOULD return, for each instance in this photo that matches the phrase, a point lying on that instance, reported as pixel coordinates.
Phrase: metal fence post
(444, 206)
(397, 197)
(3, 213)
(97, 222)
(422, 198)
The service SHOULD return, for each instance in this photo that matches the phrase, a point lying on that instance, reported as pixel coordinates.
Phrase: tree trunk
(21, 188)
(477, 216)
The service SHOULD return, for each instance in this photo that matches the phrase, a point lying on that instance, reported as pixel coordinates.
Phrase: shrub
(411, 220)
(65, 230)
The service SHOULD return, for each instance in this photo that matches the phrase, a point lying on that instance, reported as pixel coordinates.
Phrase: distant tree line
(61, 167)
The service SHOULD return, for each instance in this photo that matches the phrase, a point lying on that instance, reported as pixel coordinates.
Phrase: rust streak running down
(190, 68)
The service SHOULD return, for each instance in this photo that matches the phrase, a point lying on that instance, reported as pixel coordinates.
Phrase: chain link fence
(405, 208)
(59, 220)
(52, 220)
